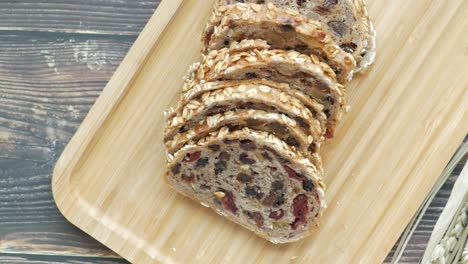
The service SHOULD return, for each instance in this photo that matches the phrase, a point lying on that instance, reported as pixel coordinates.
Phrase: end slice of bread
(253, 179)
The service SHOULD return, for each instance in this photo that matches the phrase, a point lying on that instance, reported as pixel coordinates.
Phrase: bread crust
(367, 54)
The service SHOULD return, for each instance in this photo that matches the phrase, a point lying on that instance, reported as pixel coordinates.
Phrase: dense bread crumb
(247, 177)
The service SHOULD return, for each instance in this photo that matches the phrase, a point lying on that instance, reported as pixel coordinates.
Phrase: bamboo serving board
(409, 113)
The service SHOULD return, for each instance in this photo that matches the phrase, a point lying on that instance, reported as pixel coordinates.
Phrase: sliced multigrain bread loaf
(252, 178)
(346, 20)
(284, 29)
(301, 72)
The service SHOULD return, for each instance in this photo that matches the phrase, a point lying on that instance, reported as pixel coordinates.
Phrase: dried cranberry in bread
(246, 96)
(304, 73)
(252, 178)
(346, 20)
(284, 29)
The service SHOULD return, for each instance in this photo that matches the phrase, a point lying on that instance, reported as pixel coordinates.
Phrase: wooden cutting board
(409, 113)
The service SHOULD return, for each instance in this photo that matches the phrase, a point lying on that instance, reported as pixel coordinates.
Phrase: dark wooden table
(55, 58)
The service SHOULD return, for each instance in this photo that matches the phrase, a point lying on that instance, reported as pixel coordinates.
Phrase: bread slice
(303, 73)
(246, 96)
(252, 178)
(346, 20)
(276, 124)
(284, 29)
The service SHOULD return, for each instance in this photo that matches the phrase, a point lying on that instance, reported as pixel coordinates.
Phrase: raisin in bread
(282, 29)
(245, 96)
(346, 20)
(301, 72)
(252, 178)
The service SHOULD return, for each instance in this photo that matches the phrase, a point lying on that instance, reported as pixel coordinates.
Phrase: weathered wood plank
(52, 259)
(48, 82)
(119, 17)
(48, 85)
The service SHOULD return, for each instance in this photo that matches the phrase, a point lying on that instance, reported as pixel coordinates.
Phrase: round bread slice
(346, 20)
(301, 72)
(276, 124)
(253, 179)
(244, 96)
(284, 29)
